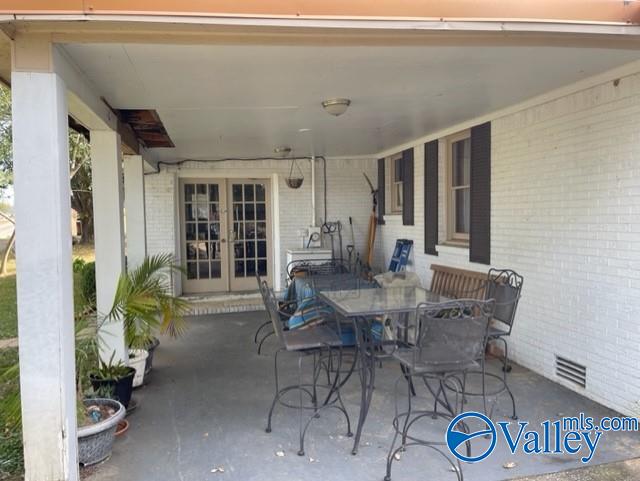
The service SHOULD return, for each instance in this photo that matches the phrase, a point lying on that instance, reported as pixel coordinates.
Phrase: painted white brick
(565, 205)
(347, 195)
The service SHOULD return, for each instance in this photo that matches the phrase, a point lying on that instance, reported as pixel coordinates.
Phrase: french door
(226, 234)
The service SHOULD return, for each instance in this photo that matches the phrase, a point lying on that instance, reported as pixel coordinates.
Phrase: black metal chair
(451, 338)
(316, 342)
(505, 287)
(286, 308)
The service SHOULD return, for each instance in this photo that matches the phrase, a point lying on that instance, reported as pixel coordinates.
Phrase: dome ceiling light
(336, 106)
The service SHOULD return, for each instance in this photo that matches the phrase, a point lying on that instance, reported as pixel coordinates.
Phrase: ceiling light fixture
(282, 150)
(336, 106)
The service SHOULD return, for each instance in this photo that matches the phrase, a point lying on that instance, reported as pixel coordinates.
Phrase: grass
(8, 311)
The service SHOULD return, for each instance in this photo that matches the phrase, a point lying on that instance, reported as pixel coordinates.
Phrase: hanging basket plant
(295, 179)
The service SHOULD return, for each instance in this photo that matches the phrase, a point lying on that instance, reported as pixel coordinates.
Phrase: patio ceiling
(220, 101)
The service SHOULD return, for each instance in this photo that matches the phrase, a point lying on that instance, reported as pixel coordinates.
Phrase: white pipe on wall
(313, 190)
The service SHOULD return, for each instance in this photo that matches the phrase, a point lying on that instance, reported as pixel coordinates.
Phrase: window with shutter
(458, 187)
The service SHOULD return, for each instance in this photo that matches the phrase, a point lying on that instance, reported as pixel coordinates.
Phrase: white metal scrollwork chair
(450, 340)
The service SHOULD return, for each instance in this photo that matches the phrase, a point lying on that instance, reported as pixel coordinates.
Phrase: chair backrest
(452, 334)
(271, 304)
(505, 286)
(263, 288)
(458, 283)
(317, 267)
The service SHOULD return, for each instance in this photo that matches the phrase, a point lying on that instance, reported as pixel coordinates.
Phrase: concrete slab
(621, 471)
(206, 403)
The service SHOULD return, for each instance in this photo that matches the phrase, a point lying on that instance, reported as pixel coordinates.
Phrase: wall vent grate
(571, 371)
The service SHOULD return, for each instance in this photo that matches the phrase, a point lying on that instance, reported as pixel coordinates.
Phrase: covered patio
(495, 142)
(206, 404)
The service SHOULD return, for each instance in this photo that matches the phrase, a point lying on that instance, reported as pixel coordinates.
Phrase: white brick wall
(347, 195)
(566, 215)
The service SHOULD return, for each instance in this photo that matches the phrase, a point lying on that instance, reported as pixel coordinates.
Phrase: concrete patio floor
(206, 402)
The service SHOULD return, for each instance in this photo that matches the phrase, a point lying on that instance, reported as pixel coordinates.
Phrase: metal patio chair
(504, 287)
(451, 338)
(286, 308)
(317, 343)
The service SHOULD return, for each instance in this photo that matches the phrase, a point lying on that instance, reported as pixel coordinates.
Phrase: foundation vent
(571, 371)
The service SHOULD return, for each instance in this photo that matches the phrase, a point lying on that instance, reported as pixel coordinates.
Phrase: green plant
(143, 301)
(78, 264)
(111, 371)
(88, 283)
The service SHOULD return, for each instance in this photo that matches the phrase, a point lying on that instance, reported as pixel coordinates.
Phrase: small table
(360, 305)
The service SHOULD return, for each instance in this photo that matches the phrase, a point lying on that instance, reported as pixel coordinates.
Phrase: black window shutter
(407, 187)
(381, 188)
(431, 197)
(480, 228)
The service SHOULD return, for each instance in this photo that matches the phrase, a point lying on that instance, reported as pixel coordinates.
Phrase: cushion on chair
(310, 312)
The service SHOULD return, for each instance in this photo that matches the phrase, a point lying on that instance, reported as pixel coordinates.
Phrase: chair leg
(410, 394)
(300, 408)
(277, 394)
(262, 341)
(262, 326)
(505, 369)
(392, 449)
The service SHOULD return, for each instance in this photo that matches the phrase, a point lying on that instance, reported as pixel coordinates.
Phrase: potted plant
(114, 379)
(145, 304)
(98, 414)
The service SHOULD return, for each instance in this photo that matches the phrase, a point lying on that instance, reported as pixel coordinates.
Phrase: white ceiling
(241, 101)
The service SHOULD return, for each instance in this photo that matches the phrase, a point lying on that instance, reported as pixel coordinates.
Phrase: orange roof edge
(570, 11)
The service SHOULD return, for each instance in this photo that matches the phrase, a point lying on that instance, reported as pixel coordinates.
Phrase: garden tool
(329, 228)
(339, 228)
(351, 247)
(373, 222)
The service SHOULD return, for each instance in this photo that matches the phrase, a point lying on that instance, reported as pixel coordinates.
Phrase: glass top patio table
(369, 302)
(361, 305)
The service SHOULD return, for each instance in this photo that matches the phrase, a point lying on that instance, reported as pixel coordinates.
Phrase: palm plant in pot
(98, 409)
(145, 304)
(97, 414)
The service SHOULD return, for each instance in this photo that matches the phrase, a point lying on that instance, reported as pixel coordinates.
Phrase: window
(395, 167)
(458, 187)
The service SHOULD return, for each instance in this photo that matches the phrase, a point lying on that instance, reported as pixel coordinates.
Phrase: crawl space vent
(571, 371)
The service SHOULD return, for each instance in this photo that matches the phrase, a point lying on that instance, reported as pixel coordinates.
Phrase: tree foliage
(79, 165)
(6, 158)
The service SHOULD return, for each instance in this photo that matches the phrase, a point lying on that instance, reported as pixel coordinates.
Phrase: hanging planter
(294, 181)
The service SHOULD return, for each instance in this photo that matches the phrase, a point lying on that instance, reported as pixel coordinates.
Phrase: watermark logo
(577, 435)
(458, 439)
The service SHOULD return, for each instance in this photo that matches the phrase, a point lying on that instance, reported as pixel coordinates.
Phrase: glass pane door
(204, 245)
(250, 227)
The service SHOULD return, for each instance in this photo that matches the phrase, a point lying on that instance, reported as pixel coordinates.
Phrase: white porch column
(44, 280)
(135, 223)
(106, 164)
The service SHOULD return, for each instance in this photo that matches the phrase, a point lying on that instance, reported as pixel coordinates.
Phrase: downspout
(313, 190)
